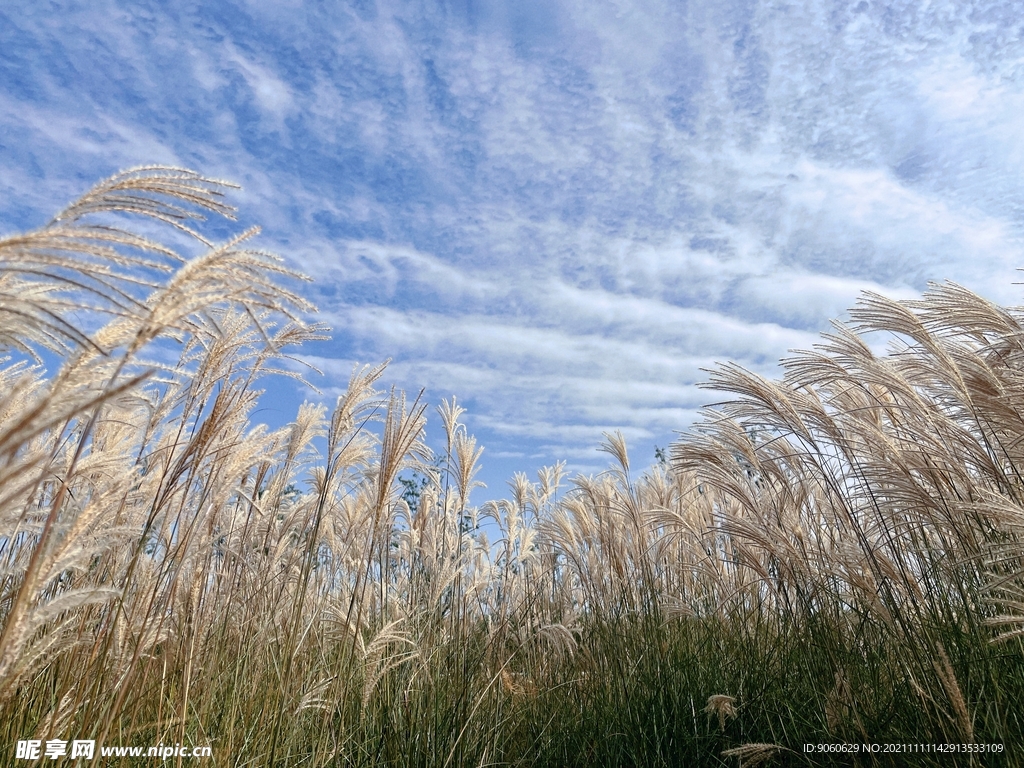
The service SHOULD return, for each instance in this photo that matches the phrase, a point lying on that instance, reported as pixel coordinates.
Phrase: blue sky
(558, 212)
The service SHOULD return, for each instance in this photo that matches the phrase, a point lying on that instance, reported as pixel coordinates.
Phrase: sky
(561, 213)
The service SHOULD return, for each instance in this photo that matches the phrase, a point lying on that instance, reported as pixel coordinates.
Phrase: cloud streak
(559, 212)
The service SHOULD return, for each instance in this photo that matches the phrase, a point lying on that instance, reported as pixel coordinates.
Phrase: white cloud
(805, 299)
(561, 212)
(271, 92)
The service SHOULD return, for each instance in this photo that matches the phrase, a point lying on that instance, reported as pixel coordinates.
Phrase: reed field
(833, 557)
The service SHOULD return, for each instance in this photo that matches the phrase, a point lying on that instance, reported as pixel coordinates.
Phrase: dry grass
(837, 549)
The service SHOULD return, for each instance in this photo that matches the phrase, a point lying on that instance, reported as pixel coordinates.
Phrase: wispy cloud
(559, 212)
